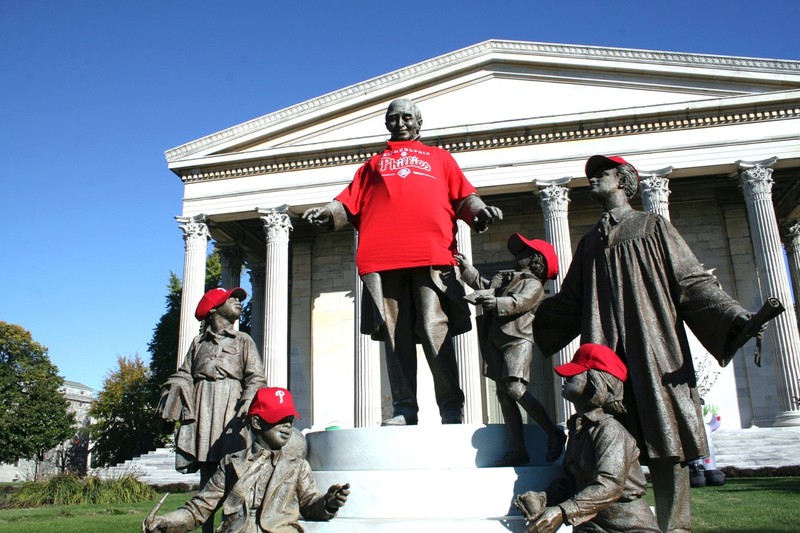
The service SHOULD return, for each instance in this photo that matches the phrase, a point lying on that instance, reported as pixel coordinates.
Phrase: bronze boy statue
(601, 483)
(509, 301)
(265, 488)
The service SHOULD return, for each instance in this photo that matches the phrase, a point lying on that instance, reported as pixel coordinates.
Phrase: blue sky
(92, 92)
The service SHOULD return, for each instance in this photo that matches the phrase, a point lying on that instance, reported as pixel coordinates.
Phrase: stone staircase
(426, 478)
(156, 468)
(757, 448)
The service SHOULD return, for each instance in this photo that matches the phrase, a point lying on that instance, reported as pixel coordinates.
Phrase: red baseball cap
(517, 243)
(272, 404)
(599, 161)
(216, 297)
(594, 356)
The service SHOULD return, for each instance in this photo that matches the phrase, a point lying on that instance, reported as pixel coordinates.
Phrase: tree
(35, 416)
(164, 344)
(124, 414)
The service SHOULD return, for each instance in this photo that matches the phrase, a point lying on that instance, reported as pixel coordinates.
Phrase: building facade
(715, 139)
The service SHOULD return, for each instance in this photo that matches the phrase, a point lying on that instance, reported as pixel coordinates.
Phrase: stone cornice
(502, 138)
(476, 51)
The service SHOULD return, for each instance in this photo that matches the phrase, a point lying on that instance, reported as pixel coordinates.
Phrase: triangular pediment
(496, 84)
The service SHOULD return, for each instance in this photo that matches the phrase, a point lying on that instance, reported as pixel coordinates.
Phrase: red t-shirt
(402, 202)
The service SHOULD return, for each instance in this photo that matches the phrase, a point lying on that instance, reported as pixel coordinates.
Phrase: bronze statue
(509, 301)
(210, 393)
(404, 202)
(601, 483)
(266, 487)
(632, 285)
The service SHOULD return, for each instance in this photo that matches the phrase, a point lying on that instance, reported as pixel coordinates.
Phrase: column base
(787, 419)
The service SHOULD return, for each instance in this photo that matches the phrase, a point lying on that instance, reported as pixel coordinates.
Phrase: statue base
(427, 478)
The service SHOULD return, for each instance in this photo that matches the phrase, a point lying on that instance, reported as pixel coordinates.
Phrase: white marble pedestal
(426, 478)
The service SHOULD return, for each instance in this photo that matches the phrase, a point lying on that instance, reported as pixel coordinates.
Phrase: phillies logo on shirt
(404, 165)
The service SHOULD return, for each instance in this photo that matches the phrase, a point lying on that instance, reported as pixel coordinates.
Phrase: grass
(746, 505)
(85, 518)
(742, 505)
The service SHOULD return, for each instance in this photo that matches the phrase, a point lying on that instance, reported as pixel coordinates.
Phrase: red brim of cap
(274, 415)
(596, 162)
(569, 369)
(517, 243)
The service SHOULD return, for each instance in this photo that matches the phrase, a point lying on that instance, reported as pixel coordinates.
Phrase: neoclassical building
(716, 140)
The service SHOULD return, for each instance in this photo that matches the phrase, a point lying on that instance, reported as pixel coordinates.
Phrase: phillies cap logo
(279, 394)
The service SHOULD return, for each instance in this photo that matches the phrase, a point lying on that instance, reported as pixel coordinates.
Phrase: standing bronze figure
(211, 391)
(509, 301)
(632, 285)
(404, 202)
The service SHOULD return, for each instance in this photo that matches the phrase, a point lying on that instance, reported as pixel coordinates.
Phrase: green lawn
(742, 505)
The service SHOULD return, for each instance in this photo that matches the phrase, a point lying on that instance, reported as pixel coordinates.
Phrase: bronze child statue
(509, 301)
(266, 487)
(601, 483)
(211, 391)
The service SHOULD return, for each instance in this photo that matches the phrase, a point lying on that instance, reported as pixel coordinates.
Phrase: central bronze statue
(405, 202)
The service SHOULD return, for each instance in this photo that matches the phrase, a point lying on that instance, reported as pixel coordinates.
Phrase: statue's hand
(486, 216)
(319, 216)
(531, 504)
(336, 497)
(462, 262)
(159, 524)
(549, 522)
(487, 301)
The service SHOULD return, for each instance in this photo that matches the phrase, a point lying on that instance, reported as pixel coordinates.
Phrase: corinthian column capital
(655, 191)
(276, 224)
(792, 234)
(553, 197)
(194, 229)
(755, 178)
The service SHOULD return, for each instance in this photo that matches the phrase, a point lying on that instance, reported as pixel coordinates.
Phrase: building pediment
(495, 85)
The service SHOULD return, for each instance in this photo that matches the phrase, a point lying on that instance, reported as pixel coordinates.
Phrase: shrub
(67, 489)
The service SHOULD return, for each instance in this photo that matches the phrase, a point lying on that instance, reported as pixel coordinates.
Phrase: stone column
(554, 199)
(793, 252)
(367, 364)
(655, 191)
(257, 283)
(195, 236)
(782, 334)
(232, 257)
(276, 297)
(466, 345)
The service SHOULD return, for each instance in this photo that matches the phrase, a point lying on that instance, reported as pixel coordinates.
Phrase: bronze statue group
(632, 285)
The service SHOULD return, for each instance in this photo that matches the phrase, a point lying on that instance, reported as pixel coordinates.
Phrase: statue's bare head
(403, 120)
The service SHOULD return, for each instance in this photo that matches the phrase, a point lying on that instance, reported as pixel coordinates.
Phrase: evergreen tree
(164, 344)
(35, 416)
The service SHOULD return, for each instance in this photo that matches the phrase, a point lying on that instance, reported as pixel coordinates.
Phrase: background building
(715, 139)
